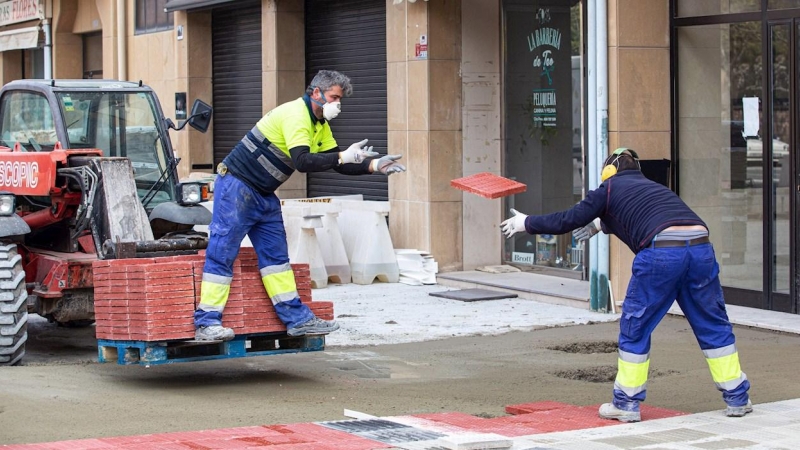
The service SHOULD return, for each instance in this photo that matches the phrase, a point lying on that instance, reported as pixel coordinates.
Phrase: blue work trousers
(690, 275)
(240, 211)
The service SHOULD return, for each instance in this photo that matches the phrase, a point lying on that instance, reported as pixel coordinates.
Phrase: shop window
(690, 8)
(720, 143)
(150, 16)
(543, 125)
(783, 4)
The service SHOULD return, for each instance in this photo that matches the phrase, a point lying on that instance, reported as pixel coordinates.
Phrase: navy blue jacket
(630, 206)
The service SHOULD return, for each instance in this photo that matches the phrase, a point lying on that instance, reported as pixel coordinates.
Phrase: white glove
(515, 224)
(355, 153)
(387, 165)
(582, 234)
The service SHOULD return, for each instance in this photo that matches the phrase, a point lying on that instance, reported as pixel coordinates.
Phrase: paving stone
(488, 185)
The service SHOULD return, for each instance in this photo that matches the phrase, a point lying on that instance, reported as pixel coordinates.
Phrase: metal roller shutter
(350, 36)
(236, 58)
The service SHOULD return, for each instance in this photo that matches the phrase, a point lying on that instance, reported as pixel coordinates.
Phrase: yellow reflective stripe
(213, 294)
(725, 368)
(279, 283)
(632, 375)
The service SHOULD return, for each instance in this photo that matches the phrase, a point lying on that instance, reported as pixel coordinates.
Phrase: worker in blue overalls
(294, 136)
(674, 261)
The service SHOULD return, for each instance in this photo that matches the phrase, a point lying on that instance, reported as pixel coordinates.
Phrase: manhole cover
(587, 347)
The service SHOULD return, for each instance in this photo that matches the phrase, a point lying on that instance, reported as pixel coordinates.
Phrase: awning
(178, 5)
(18, 39)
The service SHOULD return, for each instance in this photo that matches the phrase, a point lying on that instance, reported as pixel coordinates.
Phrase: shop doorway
(543, 145)
(738, 125)
(93, 55)
(350, 36)
(782, 138)
(236, 71)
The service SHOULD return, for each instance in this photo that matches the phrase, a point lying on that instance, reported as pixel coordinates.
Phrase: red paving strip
(488, 185)
(306, 436)
(526, 419)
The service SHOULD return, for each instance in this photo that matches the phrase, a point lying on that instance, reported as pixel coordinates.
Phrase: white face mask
(331, 109)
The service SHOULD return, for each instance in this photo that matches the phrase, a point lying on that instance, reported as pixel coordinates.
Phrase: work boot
(313, 327)
(213, 333)
(609, 411)
(739, 411)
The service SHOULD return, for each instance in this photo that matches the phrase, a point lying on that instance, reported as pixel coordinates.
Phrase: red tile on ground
(525, 408)
(488, 185)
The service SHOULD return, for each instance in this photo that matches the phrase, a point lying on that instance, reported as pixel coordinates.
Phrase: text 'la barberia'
(544, 36)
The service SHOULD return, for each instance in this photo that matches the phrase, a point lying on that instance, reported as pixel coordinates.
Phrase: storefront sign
(15, 11)
(522, 258)
(543, 41)
(544, 107)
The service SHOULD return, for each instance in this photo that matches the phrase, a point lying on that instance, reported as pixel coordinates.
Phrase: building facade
(460, 87)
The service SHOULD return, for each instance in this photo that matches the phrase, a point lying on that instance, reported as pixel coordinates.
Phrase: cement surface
(438, 356)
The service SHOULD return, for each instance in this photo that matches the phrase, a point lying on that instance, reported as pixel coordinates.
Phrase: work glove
(582, 234)
(356, 153)
(515, 224)
(387, 165)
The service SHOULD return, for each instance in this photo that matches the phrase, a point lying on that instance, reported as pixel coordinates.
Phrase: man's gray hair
(326, 79)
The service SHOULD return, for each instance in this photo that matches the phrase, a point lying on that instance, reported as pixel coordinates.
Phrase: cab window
(27, 119)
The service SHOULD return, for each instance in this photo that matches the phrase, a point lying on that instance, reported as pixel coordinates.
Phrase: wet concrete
(61, 393)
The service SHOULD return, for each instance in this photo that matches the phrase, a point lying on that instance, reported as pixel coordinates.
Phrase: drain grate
(384, 431)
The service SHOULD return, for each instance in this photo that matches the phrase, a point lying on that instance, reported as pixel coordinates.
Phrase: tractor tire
(13, 306)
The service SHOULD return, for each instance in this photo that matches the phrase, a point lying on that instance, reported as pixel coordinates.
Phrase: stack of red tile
(259, 314)
(143, 300)
(154, 299)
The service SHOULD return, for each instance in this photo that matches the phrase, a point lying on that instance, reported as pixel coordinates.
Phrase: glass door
(781, 142)
(736, 121)
(543, 118)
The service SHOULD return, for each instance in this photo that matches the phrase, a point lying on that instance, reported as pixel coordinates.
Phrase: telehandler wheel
(13, 306)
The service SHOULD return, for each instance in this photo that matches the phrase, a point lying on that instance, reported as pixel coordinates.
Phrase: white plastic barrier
(301, 224)
(328, 236)
(367, 241)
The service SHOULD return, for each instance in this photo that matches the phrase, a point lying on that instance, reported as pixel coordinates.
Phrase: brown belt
(698, 241)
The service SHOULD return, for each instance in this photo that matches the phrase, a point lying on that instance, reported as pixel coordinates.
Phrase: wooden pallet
(167, 352)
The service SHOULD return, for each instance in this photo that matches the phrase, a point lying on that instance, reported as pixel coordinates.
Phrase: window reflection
(783, 4)
(720, 142)
(543, 134)
(689, 8)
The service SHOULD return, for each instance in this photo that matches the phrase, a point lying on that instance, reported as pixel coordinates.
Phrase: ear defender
(608, 172)
(611, 168)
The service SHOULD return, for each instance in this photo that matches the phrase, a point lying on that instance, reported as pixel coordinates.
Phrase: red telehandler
(87, 172)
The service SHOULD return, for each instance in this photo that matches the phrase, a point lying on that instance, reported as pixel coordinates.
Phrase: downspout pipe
(48, 50)
(591, 135)
(603, 253)
(122, 44)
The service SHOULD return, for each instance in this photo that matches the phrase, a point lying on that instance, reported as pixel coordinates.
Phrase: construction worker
(674, 260)
(294, 136)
